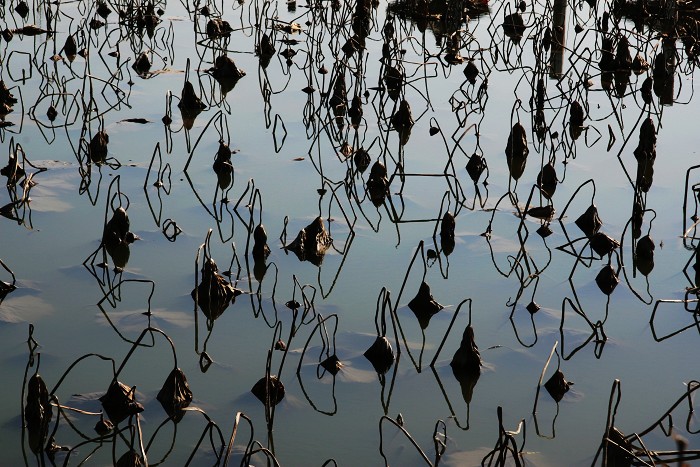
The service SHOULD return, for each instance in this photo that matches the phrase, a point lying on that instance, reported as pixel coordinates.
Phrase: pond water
(448, 144)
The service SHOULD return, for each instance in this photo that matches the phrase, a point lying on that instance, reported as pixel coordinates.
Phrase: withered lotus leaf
(424, 305)
(98, 147)
(332, 364)
(380, 355)
(447, 233)
(361, 159)
(37, 412)
(393, 80)
(355, 112)
(639, 64)
(223, 168)
(226, 73)
(541, 212)
(190, 105)
(607, 280)
(269, 389)
(70, 47)
(514, 26)
(557, 386)
(623, 57)
(378, 184)
(547, 180)
(619, 449)
(217, 27)
(13, 170)
(533, 308)
(214, 293)
(576, 114)
(142, 64)
(647, 86)
(402, 121)
(589, 222)
(471, 72)
(607, 60)
(104, 427)
(130, 459)
(466, 364)
(467, 357)
(517, 151)
(602, 244)
(644, 255)
(175, 394)
(119, 402)
(475, 167)
(544, 231)
(260, 248)
(312, 242)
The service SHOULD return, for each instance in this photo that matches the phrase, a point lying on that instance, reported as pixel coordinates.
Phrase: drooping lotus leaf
(541, 212)
(104, 427)
(361, 159)
(190, 105)
(557, 386)
(214, 293)
(619, 449)
(130, 459)
(471, 72)
(119, 402)
(226, 73)
(424, 305)
(467, 357)
(260, 248)
(380, 355)
(544, 231)
(603, 244)
(13, 170)
(332, 364)
(311, 243)
(475, 167)
(217, 27)
(378, 184)
(623, 57)
(402, 121)
(447, 233)
(607, 279)
(269, 389)
(37, 413)
(223, 168)
(175, 394)
(98, 147)
(532, 307)
(644, 255)
(265, 50)
(576, 114)
(355, 112)
(393, 80)
(142, 64)
(466, 364)
(514, 26)
(589, 222)
(547, 180)
(517, 151)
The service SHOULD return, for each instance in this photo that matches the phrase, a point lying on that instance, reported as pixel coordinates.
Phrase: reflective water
(532, 303)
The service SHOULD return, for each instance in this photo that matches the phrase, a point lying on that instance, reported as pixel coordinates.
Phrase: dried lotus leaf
(380, 355)
(119, 402)
(424, 305)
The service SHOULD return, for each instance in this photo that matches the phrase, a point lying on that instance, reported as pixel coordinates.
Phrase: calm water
(287, 145)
